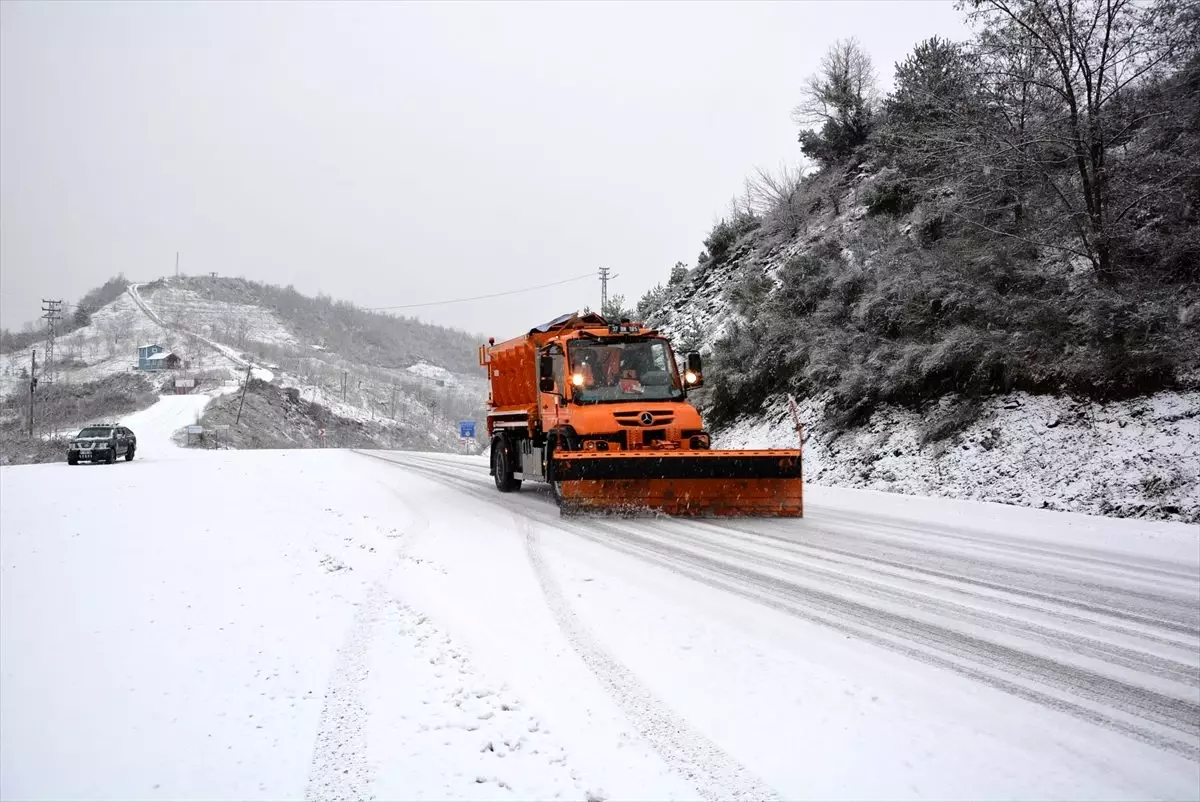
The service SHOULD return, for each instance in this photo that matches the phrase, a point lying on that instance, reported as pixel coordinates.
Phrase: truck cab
(623, 391)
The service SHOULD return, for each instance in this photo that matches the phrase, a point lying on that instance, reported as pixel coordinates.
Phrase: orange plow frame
(767, 483)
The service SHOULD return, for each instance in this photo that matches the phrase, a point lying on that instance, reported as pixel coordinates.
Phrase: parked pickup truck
(102, 441)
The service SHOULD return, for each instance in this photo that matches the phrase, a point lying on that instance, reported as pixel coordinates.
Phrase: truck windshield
(623, 370)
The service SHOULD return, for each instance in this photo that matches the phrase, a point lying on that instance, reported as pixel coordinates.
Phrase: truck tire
(72, 459)
(561, 440)
(111, 456)
(129, 454)
(502, 467)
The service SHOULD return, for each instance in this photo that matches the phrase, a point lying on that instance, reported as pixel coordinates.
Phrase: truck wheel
(72, 459)
(559, 440)
(129, 454)
(110, 457)
(503, 471)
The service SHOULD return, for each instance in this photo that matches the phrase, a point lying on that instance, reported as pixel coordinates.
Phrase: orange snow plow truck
(599, 411)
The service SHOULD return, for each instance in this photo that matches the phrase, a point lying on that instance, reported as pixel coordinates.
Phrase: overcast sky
(398, 153)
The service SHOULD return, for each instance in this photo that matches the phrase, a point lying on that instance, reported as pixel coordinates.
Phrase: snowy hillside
(979, 271)
(271, 416)
(423, 400)
(106, 346)
(280, 316)
(1129, 458)
(896, 405)
(230, 323)
(219, 333)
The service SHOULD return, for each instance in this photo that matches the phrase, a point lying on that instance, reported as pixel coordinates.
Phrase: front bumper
(91, 455)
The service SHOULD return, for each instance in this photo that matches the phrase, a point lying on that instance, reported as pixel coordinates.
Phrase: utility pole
(393, 400)
(52, 313)
(603, 290)
(245, 386)
(176, 264)
(605, 277)
(32, 386)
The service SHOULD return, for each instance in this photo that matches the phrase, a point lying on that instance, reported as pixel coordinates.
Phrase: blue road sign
(466, 428)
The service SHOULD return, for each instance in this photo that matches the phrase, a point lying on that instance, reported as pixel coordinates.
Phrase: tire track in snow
(948, 648)
(1152, 646)
(339, 769)
(937, 598)
(1148, 608)
(712, 772)
(1165, 721)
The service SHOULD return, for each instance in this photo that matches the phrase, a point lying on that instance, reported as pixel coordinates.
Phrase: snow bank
(428, 371)
(1132, 458)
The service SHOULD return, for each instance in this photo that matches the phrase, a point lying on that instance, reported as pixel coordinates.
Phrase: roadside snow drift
(335, 625)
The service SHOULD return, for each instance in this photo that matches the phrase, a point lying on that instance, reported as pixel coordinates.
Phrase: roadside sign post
(796, 419)
(466, 430)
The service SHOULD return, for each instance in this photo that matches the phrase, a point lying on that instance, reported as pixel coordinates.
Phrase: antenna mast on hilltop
(52, 314)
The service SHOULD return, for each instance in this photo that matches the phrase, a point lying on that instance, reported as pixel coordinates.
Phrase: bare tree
(75, 345)
(240, 331)
(1059, 74)
(846, 76)
(224, 327)
(199, 352)
(837, 103)
(110, 332)
(775, 196)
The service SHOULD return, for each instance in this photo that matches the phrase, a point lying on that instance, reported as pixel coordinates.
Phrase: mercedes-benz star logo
(646, 419)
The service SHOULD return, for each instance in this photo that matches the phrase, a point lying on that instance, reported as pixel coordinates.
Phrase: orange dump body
(605, 446)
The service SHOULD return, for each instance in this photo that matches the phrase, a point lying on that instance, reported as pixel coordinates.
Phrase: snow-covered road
(324, 625)
(155, 425)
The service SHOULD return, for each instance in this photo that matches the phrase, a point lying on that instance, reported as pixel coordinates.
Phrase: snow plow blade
(686, 483)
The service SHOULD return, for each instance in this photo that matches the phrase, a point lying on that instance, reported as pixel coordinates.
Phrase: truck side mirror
(694, 375)
(546, 374)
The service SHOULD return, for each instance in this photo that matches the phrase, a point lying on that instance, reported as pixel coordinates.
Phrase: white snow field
(335, 625)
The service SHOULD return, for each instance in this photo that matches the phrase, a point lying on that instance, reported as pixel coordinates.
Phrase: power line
(480, 297)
